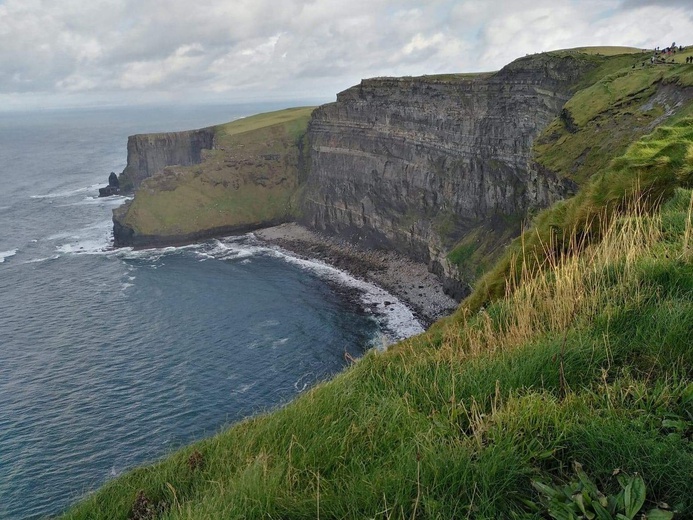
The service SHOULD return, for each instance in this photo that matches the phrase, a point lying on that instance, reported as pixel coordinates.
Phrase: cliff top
(258, 121)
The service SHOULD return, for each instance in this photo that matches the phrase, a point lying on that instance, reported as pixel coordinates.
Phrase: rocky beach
(410, 281)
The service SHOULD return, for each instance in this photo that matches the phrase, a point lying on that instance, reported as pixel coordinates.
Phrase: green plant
(582, 499)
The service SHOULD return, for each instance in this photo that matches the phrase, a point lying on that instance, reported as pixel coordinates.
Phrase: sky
(71, 53)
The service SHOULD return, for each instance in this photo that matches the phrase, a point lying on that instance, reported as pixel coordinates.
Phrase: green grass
(249, 178)
(616, 101)
(648, 172)
(606, 115)
(589, 361)
(606, 51)
(291, 116)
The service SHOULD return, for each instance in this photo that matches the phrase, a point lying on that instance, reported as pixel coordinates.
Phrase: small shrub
(582, 499)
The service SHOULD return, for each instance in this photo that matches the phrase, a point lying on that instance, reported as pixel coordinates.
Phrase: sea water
(114, 358)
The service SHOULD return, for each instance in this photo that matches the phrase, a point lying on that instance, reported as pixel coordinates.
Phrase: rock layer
(246, 181)
(149, 154)
(414, 164)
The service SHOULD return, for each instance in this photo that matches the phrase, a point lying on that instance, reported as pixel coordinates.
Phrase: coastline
(411, 282)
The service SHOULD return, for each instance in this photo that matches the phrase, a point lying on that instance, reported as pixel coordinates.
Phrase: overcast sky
(114, 52)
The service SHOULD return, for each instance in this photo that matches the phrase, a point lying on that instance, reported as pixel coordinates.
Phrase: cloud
(132, 51)
(667, 4)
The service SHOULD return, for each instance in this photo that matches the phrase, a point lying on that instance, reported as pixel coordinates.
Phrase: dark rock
(415, 164)
(149, 154)
(108, 191)
(113, 187)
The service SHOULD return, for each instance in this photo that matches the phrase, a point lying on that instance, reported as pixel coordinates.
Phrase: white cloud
(247, 49)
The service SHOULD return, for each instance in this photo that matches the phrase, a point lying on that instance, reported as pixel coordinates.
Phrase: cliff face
(186, 192)
(149, 154)
(414, 164)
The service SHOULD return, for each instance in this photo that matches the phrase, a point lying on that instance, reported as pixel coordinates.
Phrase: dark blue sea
(113, 358)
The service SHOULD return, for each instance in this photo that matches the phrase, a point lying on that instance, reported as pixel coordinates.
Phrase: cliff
(246, 179)
(580, 364)
(149, 154)
(414, 164)
(444, 168)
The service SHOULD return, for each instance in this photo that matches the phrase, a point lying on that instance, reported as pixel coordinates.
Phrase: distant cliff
(149, 154)
(220, 180)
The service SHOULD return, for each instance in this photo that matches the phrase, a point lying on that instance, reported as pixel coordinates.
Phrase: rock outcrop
(113, 187)
(415, 164)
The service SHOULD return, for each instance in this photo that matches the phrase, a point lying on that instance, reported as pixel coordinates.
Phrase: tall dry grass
(573, 288)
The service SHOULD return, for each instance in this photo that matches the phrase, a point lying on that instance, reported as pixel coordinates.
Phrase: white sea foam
(7, 254)
(39, 260)
(302, 382)
(243, 388)
(396, 318)
(94, 239)
(114, 200)
(149, 255)
(67, 193)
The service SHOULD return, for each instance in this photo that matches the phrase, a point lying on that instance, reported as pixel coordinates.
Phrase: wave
(94, 239)
(67, 193)
(39, 260)
(113, 200)
(7, 254)
(396, 319)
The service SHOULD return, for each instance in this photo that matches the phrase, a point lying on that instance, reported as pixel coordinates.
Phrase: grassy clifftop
(623, 98)
(585, 358)
(248, 179)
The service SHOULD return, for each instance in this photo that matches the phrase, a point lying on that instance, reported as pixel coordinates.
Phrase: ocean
(109, 358)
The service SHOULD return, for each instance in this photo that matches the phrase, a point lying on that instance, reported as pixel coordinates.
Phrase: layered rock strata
(149, 154)
(415, 164)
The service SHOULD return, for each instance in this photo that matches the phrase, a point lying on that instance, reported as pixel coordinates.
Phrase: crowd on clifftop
(666, 55)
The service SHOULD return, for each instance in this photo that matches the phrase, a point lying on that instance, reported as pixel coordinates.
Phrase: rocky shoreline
(410, 281)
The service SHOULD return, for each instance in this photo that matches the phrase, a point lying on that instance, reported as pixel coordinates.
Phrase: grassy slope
(606, 51)
(601, 120)
(588, 360)
(612, 107)
(248, 178)
(648, 172)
